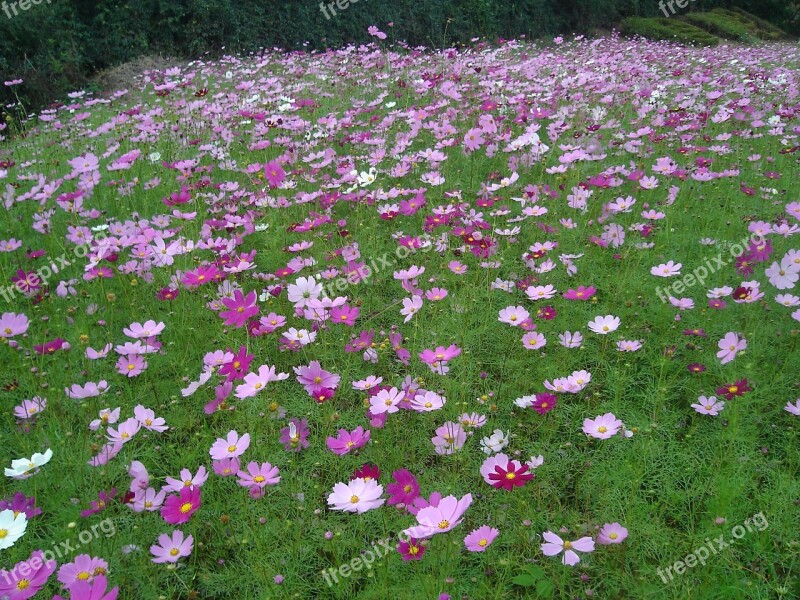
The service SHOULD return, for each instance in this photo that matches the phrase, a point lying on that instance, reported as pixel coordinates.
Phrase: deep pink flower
(240, 308)
(179, 508)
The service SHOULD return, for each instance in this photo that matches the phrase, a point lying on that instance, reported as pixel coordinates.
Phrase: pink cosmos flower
(274, 173)
(227, 467)
(240, 308)
(612, 533)
(513, 315)
(533, 340)
(667, 269)
(230, 447)
(94, 590)
(38, 572)
(90, 390)
(257, 382)
(730, 346)
(172, 548)
(447, 514)
(357, 495)
(131, 365)
(148, 419)
(314, 376)
(107, 417)
(570, 340)
(347, 441)
(602, 427)
(126, 430)
(410, 307)
(148, 499)
(793, 409)
(179, 508)
(82, 568)
(440, 354)
(411, 549)
(187, 480)
(30, 408)
(554, 545)
(480, 539)
(436, 294)
(386, 401)
(12, 324)
(709, 406)
(449, 438)
(145, 330)
(257, 477)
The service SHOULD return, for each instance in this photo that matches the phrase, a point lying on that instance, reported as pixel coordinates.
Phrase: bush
(673, 30)
(720, 25)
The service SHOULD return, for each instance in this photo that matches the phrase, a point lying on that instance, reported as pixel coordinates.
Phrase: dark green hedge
(58, 44)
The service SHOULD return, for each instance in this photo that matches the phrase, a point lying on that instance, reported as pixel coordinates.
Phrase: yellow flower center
(354, 499)
(510, 475)
(444, 524)
(567, 545)
(231, 448)
(407, 488)
(186, 507)
(23, 584)
(733, 389)
(83, 575)
(259, 478)
(173, 552)
(602, 429)
(3, 533)
(483, 543)
(413, 550)
(350, 444)
(613, 536)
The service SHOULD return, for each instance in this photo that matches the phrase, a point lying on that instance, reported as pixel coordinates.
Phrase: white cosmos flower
(494, 443)
(22, 466)
(12, 527)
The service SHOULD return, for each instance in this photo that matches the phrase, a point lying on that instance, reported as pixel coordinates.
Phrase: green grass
(663, 29)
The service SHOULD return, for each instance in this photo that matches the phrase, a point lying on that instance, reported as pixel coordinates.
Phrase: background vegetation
(59, 46)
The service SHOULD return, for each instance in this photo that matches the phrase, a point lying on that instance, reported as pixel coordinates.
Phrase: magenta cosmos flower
(500, 472)
(602, 427)
(554, 545)
(230, 447)
(443, 517)
(612, 533)
(582, 293)
(240, 308)
(347, 441)
(34, 580)
(480, 539)
(171, 548)
(404, 489)
(180, 508)
(411, 549)
(357, 495)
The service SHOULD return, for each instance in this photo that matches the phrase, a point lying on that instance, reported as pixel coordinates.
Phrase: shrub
(673, 30)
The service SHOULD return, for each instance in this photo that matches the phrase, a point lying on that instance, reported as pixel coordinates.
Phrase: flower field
(513, 320)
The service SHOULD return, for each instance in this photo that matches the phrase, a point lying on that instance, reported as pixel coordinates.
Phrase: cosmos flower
(171, 548)
(357, 495)
(709, 406)
(501, 472)
(13, 526)
(441, 518)
(602, 427)
(25, 467)
(730, 346)
(347, 441)
(554, 545)
(179, 508)
(604, 325)
(230, 447)
(404, 489)
(611, 533)
(480, 539)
